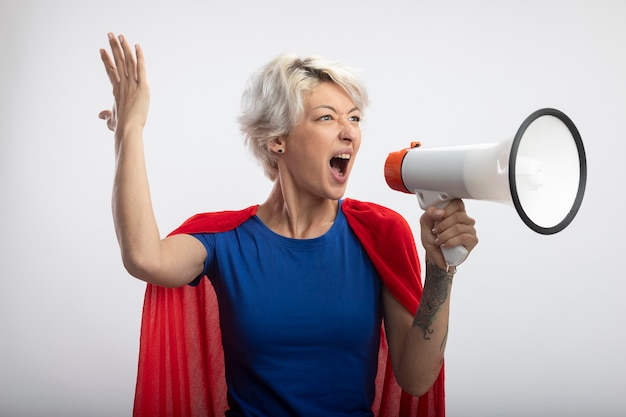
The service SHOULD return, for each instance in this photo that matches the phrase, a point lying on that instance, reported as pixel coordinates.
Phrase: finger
(454, 213)
(431, 217)
(452, 220)
(427, 224)
(118, 56)
(455, 222)
(129, 58)
(108, 116)
(141, 65)
(109, 67)
(454, 206)
(459, 234)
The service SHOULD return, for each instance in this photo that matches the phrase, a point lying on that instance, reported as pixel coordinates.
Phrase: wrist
(128, 131)
(434, 270)
(129, 127)
(437, 259)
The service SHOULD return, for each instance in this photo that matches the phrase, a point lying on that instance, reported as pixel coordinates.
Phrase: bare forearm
(431, 319)
(419, 341)
(135, 225)
(427, 338)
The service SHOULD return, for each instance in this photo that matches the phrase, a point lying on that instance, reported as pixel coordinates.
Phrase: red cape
(181, 362)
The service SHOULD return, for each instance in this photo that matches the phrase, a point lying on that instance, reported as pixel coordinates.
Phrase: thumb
(432, 215)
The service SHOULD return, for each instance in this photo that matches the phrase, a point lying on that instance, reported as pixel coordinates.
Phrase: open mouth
(339, 163)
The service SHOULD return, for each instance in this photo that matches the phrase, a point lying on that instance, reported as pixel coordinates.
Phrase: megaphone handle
(455, 255)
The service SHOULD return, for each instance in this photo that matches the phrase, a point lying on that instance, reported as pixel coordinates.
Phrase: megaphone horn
(541, 171)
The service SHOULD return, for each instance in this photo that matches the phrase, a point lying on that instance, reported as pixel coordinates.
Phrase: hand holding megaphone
(445, 221)
(454, 255)
(542, 171)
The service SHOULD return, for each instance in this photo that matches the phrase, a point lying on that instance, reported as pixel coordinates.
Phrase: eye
(355, 119)
(325, 118)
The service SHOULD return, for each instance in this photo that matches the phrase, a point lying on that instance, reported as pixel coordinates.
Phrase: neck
(298, 217)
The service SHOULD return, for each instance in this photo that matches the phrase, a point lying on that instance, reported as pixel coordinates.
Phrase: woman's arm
(170, 262)
(417, 343)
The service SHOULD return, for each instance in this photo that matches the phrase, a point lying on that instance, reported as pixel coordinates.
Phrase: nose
(350, 131)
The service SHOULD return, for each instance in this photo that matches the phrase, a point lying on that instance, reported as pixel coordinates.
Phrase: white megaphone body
(542, 171)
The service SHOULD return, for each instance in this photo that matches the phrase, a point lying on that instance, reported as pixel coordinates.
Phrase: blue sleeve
(208, 240)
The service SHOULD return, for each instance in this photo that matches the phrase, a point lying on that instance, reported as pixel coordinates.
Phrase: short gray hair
(273, 100)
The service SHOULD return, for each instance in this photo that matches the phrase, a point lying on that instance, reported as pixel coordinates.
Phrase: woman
(305, 279)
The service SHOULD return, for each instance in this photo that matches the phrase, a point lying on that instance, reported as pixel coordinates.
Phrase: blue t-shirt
(300, 320)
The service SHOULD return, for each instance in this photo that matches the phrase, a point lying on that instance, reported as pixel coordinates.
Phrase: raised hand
(127, 73)
(447, 227)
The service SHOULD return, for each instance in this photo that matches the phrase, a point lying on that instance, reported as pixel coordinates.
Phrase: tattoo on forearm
(435, 294)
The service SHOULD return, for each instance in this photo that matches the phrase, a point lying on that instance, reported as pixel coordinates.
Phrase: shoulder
(215, 222)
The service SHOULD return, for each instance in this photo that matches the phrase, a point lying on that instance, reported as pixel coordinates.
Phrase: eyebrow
(326, 106)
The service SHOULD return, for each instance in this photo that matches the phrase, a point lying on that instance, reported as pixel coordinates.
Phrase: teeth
(343, 156)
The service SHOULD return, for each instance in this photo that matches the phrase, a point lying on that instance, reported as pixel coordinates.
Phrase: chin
(335, 190)
(337, 194)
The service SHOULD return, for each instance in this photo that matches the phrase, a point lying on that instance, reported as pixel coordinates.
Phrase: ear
(277, 145)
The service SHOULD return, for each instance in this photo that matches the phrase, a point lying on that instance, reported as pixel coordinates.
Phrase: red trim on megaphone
(393, 168)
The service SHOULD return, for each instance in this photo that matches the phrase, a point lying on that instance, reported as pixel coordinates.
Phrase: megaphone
(541, 171)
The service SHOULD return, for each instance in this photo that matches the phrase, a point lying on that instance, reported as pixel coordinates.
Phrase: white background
(537, 326)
